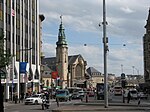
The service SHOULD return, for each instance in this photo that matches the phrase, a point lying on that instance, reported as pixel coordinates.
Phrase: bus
(118, 90)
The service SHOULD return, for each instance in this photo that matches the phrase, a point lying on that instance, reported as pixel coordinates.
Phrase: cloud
(127, 10)
(126, 21)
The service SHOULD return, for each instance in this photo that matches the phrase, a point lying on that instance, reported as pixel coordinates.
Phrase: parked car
(35, 99)
(62, 95)
(142, 95)
(134, 94)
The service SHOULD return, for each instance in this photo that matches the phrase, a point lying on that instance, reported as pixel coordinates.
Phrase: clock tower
(62, 57)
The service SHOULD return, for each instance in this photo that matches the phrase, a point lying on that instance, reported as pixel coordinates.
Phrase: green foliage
(4, 55)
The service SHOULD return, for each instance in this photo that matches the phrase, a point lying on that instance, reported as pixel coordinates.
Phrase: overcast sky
(81, 18)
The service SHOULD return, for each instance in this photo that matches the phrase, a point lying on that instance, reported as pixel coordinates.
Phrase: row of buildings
(21, 24)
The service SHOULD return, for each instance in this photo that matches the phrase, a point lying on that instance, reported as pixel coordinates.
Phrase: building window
(33, 18)
(8, 3)
(18, 23)
(8, 19)
(18, 8)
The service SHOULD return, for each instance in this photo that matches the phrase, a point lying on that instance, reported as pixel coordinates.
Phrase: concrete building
(146, 47)
(46, 78)
(19, 21)
(96, 76)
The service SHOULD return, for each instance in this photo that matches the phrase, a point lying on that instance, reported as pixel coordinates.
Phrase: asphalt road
(37, 108)
(20, 107)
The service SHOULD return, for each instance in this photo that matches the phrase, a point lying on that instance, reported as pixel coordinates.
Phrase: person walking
(139, 98)
(129, 97)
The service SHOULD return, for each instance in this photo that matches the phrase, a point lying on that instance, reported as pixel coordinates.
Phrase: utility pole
(105, 41)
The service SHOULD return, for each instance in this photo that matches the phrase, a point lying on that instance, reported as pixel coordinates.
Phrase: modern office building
(146, 47)
(20, 23)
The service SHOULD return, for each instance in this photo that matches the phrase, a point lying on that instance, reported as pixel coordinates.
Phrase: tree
(4, 61)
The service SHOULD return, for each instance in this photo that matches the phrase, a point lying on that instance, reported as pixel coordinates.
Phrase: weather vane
(61, 18)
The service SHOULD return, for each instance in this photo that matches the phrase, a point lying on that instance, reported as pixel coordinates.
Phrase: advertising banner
(23, 66)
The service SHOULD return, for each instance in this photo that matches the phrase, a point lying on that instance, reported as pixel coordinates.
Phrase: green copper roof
(61, 35)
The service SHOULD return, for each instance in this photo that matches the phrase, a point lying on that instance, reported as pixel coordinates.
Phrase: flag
(54, 75)
(13, 12)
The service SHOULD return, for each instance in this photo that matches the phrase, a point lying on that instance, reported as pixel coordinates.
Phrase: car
(62, 95)
(34, 99)
(142, 95)
(134, 94)
(78, 94)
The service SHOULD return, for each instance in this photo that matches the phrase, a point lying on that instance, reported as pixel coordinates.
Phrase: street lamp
(121, 68)
(133, 69)
(105, 41)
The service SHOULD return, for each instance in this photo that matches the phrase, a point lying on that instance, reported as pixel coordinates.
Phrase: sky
(82, 20)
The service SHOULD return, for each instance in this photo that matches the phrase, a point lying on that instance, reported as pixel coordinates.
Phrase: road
(20, 107)
(37, 108)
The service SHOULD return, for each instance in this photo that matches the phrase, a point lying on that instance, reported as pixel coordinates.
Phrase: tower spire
(147, 26)
(61, 34)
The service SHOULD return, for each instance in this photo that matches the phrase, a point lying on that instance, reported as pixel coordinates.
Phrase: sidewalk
(98, 105)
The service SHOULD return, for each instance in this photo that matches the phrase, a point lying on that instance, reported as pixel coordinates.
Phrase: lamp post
(133, 69)
(137, 71)
(105, 42)
(121, 68)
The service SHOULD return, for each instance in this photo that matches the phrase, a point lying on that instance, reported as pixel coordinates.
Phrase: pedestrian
(129, 97)
(139, 99)
(57, 101)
